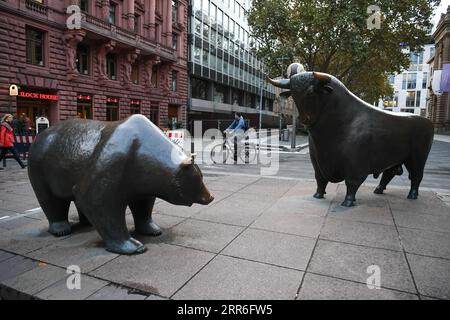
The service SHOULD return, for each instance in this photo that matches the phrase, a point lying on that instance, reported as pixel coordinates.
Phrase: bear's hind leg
(142, 215)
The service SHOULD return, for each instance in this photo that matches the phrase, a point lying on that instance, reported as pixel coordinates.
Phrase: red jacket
(6, 136)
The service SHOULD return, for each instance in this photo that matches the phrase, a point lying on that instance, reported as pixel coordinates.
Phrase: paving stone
(432, 275)
(16, 222)
(368, 234)
(28, 238)
(161, 270)
(162, 220)
(232, 179)
(428, 203)
(225, 186)
(84, 249)
(5, 255)
(428, 222)
(37, 279)
(179, 211)
(204, 235)
(236, 210)
(350, 262)
(113, 292)
(301, 204)
(15, 266)
(273, 248)
(290, 222)
(364, 211)
(60, 291)
(232, 278)
(426, 243)
(316, 287)
(266, 189)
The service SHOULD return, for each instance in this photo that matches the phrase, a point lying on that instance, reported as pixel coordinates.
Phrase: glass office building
(225, 75)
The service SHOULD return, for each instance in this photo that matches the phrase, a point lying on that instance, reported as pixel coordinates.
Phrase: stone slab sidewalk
(262, 238)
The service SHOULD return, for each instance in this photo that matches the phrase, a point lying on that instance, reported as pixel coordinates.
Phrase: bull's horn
(322, 77)
(282, 83)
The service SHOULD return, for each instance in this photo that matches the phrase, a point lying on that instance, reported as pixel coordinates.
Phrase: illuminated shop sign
(135, 102)
(112, 100)
(37, 95)
(84, 97)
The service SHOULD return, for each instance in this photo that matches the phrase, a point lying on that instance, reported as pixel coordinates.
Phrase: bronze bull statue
(350, 139)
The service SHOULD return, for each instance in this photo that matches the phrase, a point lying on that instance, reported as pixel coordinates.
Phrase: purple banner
(445, 78)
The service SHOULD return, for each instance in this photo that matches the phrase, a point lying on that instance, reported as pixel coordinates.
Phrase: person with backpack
(7, 140)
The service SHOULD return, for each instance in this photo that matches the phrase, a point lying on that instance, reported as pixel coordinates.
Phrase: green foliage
(332, 36)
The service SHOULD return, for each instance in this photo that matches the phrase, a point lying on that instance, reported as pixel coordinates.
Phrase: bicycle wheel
(248, 155)
(220, 153)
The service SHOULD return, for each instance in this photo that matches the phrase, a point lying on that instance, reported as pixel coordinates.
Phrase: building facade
(410, 86)
(438, 108)
(95, 59)
(225, 76)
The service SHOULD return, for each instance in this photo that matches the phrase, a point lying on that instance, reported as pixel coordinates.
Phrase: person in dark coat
(7, 140)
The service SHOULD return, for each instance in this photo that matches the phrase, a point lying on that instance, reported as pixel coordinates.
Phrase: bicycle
(221, 152)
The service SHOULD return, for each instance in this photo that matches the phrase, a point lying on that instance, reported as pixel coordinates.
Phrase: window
(135, 73)
(112, 109)
(410, 98)
(197, 52)
(198, 26)
(416, 60)
(82, 59)
(154, 114)
(112, 13)
(409, 81)
(84, 5)
(174, 80)
(84, 106)
(111, 66)
(418, 99)
(174, 11)
(205, 32)
(220, 93)
(35, 46)
(174, 41)
(424, 80)
(135, 106)
(199, 89)
(155, 76)
(137, 23)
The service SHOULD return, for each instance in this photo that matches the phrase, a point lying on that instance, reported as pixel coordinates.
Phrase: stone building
(96, 59)
(438, 108)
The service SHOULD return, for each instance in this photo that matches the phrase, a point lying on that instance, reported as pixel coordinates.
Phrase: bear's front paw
(60, 229)
(130, 246)
(149, 229)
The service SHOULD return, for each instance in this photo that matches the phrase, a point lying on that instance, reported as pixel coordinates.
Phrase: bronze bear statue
(106, 166)
(350, 139)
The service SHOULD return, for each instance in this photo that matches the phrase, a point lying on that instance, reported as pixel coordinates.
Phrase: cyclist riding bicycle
(236, 128)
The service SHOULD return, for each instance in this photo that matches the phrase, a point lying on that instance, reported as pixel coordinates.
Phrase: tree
(332, 36)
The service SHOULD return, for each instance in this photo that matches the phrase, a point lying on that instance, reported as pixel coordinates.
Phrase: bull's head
(310, 91)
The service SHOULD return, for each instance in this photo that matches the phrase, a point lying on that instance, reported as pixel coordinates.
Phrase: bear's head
(190, 188)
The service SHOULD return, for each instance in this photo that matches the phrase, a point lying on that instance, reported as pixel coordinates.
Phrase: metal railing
(36, 7)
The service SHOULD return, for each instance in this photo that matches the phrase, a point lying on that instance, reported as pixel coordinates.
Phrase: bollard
(235, 151)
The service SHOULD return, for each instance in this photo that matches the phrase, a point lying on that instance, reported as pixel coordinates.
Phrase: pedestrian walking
(7, 139)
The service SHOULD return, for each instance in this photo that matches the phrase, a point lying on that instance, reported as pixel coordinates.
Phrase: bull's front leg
(352, 187)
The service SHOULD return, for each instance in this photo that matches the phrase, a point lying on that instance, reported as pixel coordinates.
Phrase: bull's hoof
(60, 229)
(149, 229)
(130, 246)
(413, 194)
(318, 195)
(348, 203)
(378, 190)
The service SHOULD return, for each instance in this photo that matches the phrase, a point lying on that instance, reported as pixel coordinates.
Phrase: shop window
(82, 59)
(84, 106)
(35, 46)
(111, 66)
(112, 109)
(174, 80)
(135, 106)
(135, 73)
